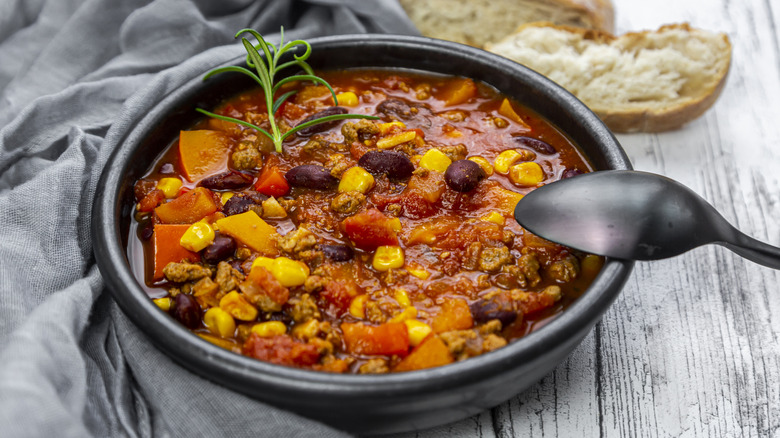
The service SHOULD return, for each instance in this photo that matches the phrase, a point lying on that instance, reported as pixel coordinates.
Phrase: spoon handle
(754, 250)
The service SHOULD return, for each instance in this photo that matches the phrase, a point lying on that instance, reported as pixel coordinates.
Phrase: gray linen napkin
(71, 364)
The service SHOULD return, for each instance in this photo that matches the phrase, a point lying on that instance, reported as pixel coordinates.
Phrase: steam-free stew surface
(367, 246)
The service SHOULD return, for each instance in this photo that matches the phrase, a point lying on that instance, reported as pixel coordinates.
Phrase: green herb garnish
(266, 70)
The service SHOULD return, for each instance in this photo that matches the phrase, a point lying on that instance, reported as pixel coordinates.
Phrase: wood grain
(691, 346)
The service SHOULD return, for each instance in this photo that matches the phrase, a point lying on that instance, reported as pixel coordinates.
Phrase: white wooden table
(690, 348)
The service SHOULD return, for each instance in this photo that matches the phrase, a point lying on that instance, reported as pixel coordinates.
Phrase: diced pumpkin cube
(432, 352)
(509, 112)
(370, 229)
(252, 231)
(430, 232)
(187, 208)
(459, 91)
(453, 315)
(203, 153)
(167, 248)
(388, 338)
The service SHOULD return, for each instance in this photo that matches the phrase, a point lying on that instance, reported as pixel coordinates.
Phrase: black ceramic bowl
(359, 403)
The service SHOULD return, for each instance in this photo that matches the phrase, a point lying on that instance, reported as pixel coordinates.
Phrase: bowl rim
(219, 364)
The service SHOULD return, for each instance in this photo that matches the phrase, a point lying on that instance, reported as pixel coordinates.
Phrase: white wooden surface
(691, 346)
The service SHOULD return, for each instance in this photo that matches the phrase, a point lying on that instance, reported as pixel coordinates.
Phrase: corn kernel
(505, 159)
(290, 272)
(265, 262)
(163, 303)
(435, 159)
(198, 236)
(384, 128)
(483, 163)
(169, 186)
(526, 174)
(356, 179)
(407, 314)
(225, 197)
(269, 328)
(388, 257)
(307, 330)
(418, 331)
(238, 307)
(402, 297)
(219, 322)
(395, 224)
(272, 209)
(347, 98)
(419, 272)
(591, 264)
(454, 134)
(396, 139)
(494, 217)
(357, 307)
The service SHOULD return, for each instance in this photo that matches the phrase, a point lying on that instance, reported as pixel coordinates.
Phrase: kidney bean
(237, 265)
(221, 248)
(230, 180)
(570, 173)
(238, 204)
(186, 310)
(147, 232)
(396, 165)
(395, 107)
(338, 253)
(464, 175)
(311, 130)
(535, 144)
(311, 176)
(498, 307)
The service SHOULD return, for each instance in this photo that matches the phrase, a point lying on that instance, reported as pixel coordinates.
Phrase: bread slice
(643, 81)
(477, 22)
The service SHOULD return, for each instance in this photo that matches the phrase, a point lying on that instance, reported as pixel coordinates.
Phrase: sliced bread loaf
(642, 81)
(477, 22)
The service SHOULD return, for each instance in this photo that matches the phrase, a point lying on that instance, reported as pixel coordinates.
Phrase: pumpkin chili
(366, 246)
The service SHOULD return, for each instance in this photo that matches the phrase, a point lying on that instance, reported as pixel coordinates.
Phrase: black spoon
(633, 215)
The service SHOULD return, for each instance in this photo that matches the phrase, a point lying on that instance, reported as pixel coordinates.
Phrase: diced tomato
(416, 207)
(151, 200)
(339, 294)
(358, 149)
(432, 352)
(282, 350)
(271, 182)
(388, 338)
(266, 284)
(370, 229)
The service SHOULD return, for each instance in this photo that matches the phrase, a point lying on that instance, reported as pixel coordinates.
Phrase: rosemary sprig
(266, 70)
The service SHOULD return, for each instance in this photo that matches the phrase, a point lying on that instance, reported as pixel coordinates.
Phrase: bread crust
(654, 117)
(477, 22)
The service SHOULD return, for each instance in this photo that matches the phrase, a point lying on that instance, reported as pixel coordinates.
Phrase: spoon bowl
(632, 215)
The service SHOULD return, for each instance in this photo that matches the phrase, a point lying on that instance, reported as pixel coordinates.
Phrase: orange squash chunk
(509, 112)
(187, 208)
(432, 352)
(203, 153)
(252, 231)
(454, 315)
(167, 248)
(388, 338)
(459, 91)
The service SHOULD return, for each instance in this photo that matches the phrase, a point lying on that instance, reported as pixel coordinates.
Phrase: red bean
(570, 173)
(338, 253)
(311, 176)
(535, 144)
(221, 248)
(498, 307)
(230, 180)
(395, 165)
(311, 130)
(464, 175)
(186, 310)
